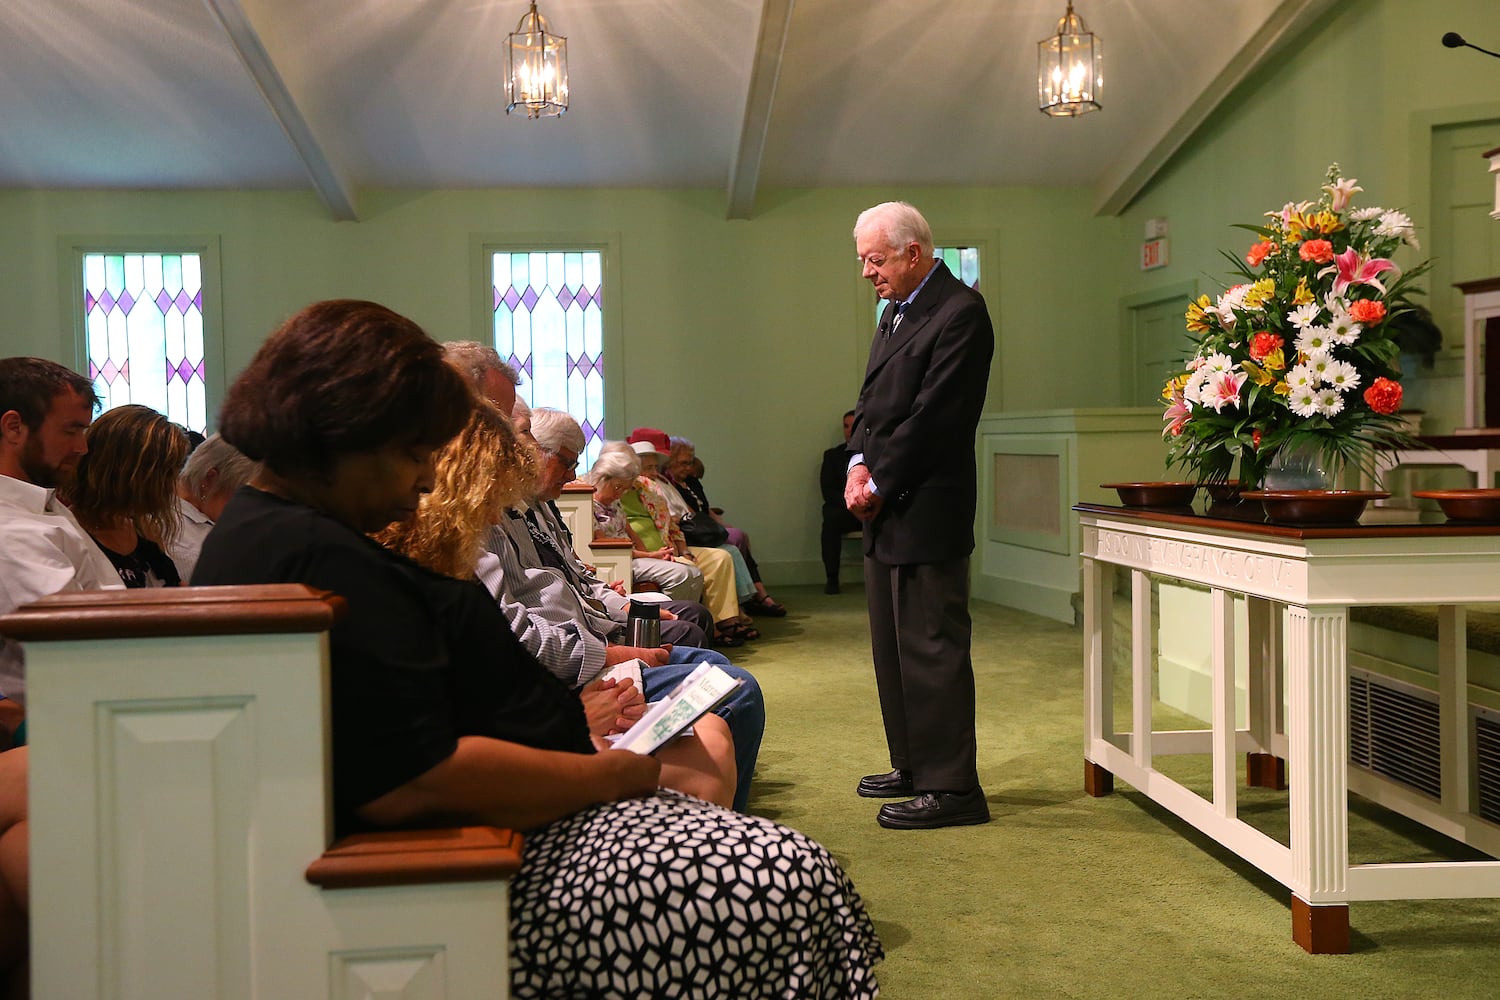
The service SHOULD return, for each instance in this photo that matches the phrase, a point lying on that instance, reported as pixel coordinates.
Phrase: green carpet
(1063, 895)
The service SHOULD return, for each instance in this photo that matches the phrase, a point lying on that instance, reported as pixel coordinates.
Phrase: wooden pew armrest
(418, 857)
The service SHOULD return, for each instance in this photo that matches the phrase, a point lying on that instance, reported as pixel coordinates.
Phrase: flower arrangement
(1299, 357)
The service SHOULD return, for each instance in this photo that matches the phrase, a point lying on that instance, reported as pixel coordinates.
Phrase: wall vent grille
(1487, 768)
(1393, 731)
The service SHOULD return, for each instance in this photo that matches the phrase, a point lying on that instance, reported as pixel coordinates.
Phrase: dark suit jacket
(918, 409)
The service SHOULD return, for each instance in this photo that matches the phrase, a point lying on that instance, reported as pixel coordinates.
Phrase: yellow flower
(1303, 295)
(1260, 293)
(1258, 375)
(1195, 313)
(1325, 222)
(1175, 385)
(1274, 362)
(1281, 388)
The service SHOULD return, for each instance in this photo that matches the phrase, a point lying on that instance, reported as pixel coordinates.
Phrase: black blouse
(418, 660)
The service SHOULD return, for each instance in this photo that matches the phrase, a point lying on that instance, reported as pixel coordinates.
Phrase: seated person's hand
(651, 656)
(662, 553)
(618, 586)
(611, 706)
(666, 615)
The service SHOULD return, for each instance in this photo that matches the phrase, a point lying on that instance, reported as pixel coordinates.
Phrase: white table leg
(1318, 738)
(1263, 769)
(1141, 637)
(1098, 669)
(1453, 706)
(1222, 658)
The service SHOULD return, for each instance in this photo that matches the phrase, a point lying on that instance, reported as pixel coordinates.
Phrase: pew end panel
(180, 792)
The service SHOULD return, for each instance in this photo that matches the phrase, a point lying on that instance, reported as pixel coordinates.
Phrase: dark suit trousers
(919, 635)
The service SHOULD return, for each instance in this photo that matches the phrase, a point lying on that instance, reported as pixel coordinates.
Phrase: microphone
(1454, 40)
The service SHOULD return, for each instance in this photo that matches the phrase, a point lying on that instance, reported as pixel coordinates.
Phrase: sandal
(765, 606)
(744, 631)
(727, 640)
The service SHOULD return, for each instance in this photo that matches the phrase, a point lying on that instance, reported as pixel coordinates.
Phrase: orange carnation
(1367, 312)
(1317, 251)
(1260, 252)
(1263, 343)
(1384, 396)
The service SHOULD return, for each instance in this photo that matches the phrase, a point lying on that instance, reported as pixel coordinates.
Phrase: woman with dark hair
(123, 493)
(439, 715)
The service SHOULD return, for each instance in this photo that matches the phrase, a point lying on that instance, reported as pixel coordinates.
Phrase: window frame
(72, 248)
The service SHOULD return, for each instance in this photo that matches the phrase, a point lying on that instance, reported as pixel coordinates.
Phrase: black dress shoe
(831, 587)
(887, 786)
(934, 809)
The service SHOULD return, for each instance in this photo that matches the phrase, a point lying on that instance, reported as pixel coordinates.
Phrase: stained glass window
(143, 326)
(549, 324)
(962, 261)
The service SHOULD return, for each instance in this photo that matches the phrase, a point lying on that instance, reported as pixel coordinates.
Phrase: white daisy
(1365, 214)
(1217, 364)
(1193, 391)
(1319, 365)
(1301, 377)
(1342, 329)
(1342, 376)
(1304, 315)
(1393, 223)
(1314, 340)
(1329, 402)
(1304, 402)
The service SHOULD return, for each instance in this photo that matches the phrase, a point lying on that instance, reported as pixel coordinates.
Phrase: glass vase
(1296, 467)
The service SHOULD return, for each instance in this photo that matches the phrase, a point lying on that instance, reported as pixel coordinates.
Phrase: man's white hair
(898, 223)
(555, 431)
(474, 359)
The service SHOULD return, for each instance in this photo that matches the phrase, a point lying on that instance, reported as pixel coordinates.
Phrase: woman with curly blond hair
(124, 492)
(476, 476)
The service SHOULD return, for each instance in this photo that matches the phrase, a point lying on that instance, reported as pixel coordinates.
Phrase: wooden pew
(181, 819)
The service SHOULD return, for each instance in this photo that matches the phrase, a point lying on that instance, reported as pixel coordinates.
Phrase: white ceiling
(739, 95)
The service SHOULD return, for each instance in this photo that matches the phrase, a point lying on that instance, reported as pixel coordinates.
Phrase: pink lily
(1224, 390)
(1354, 269)
(1176, 414)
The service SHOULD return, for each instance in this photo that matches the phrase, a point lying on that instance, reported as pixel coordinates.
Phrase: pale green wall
(1363, 89)
(748, 336)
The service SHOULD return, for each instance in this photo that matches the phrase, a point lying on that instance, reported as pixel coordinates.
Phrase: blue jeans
(745, 711)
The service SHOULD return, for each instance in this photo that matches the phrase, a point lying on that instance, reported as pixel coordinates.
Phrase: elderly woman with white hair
(628, 505)
(614, 474)
(212, 473)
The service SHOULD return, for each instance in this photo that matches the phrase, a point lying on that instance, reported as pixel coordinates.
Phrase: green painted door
(1160, 345)
(1465, 241)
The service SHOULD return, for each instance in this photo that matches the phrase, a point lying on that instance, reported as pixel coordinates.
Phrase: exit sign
(1154, 254)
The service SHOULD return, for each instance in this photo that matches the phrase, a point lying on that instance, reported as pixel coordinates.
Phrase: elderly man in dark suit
(911, 478)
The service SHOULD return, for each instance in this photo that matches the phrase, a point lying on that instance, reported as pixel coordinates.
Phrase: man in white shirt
(44, 411)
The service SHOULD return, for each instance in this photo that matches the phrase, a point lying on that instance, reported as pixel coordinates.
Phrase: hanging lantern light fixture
(536, 68)
(1069, 73)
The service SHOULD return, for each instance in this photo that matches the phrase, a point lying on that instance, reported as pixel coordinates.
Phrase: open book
(699, 693)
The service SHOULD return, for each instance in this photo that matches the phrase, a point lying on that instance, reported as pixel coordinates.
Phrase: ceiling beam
(744, 172)
(329, 180)
(1145, 160)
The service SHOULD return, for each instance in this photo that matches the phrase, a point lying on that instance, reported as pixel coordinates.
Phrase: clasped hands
(862, 502)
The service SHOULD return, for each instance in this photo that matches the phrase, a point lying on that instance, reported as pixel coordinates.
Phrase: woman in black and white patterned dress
(440, 715)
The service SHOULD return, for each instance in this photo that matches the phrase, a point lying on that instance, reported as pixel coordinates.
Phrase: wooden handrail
(409, 857)
(166, 611)
(610, 543)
